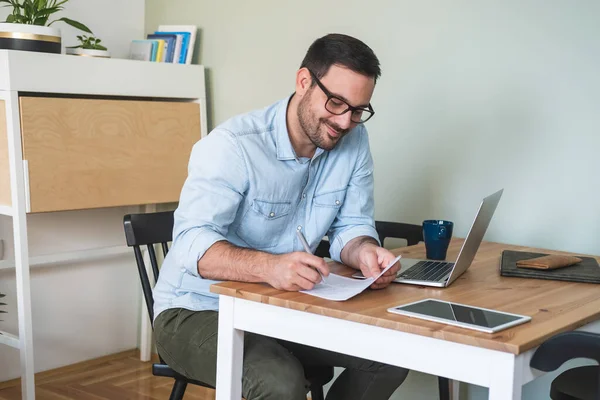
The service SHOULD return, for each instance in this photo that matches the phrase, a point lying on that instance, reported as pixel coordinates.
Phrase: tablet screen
(460, 313)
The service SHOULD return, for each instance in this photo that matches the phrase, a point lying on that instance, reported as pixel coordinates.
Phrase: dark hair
(343, 50)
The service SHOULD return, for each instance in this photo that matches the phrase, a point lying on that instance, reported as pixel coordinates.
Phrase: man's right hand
(296, 271)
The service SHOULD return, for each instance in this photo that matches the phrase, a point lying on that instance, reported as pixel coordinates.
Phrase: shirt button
(337, 202)
(272, 214)
(299, 227)
(303, 195)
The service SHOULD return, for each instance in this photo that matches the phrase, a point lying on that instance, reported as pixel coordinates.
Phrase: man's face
(323, 128)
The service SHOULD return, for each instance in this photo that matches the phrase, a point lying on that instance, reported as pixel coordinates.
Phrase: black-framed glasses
(337, 106)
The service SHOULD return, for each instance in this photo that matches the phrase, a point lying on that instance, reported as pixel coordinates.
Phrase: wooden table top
(555, 306)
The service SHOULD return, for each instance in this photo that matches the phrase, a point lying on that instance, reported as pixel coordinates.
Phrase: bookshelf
(109, 118)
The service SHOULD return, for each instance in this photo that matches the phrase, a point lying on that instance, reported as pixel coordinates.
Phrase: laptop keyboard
(431, 271)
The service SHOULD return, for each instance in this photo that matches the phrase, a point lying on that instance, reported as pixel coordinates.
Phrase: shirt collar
(285, 151)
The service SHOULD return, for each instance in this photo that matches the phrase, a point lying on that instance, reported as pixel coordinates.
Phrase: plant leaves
(31, 10)
(74, 24)
(20, 19)
(24, 11)
(100, 47)
(40, 4)
(43, 15)
(45, 12)
(28, 7)
(40, 21)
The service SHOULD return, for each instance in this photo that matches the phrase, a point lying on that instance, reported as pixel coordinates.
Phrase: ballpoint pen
(307, 249)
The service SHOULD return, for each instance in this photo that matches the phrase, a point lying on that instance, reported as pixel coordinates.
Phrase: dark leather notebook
(587, 270)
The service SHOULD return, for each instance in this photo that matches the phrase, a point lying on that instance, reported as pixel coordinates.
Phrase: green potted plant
(27, 26)
(88, 46)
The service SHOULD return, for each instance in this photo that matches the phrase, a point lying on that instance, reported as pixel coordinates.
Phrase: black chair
(157, 228)
(581, 383)
(413, 235)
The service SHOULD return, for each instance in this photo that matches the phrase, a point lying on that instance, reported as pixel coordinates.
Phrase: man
(301, 164)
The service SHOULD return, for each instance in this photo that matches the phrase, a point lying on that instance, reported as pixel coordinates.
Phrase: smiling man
(301, 164)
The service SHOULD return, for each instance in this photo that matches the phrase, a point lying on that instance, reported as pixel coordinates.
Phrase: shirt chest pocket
(264, 223)
(327, 206)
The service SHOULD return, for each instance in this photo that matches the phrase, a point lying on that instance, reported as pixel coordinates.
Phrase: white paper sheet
(339, 288)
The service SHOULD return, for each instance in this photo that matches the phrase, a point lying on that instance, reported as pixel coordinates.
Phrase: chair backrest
(564, 347)
(148, 230)
(412, 233)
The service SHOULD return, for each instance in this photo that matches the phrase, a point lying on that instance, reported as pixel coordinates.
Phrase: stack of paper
(339, 288)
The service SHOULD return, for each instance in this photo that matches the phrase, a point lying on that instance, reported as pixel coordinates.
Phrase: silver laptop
(442, 273)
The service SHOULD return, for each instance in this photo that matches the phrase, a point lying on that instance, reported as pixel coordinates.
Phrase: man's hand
(296, 271)
(372, 259)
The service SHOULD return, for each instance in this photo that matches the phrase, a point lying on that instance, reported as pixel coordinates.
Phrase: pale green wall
(475, 95)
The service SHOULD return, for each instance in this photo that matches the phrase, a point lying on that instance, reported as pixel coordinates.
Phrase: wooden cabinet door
(90, 153)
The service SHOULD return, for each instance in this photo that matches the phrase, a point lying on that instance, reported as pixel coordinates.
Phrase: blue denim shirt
(247, 186)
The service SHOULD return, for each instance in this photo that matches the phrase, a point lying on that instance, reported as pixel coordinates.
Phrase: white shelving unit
(51, 75)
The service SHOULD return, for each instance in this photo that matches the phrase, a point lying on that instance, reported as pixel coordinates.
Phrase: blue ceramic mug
(437, 234)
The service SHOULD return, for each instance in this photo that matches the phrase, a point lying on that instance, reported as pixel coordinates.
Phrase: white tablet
(480, 319)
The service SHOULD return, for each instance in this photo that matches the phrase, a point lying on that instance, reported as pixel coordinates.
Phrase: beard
(316, 128)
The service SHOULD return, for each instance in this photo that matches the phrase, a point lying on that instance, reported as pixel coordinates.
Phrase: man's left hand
(372, 260)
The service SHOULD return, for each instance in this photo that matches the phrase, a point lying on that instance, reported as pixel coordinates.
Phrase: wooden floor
(121, 376)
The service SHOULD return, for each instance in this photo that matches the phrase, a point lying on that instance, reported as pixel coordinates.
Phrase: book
(186, 30)
(159, 50)
(177, 53)
(169, 46)
(185, 40)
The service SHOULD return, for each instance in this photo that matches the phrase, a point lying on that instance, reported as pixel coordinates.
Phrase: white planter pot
(45, 39)
(88, 52)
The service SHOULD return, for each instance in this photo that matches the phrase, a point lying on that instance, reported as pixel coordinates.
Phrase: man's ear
(303, 81)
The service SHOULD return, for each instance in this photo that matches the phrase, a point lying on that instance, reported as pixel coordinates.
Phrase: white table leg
(230, 353)
(507, 378)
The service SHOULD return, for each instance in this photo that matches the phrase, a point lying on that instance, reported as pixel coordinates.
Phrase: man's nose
(344, 121)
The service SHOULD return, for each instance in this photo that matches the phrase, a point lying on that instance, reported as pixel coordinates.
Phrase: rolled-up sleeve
(210, 198)
(356, 216)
